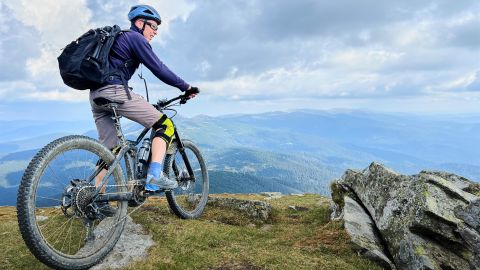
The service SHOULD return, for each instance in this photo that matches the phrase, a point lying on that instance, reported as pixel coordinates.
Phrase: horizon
(298, 110)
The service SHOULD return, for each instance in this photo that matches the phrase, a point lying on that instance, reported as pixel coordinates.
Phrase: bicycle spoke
(48, 198)
(50, 220)
(80, 242)
(68, 174)
(85, 158)
(68, 235)
(70, 239)
(60, 234)
(55, 175)
(58, 229)
(51, 188)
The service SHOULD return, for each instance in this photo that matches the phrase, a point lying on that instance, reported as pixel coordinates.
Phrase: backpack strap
(126, 87)
(126, 64)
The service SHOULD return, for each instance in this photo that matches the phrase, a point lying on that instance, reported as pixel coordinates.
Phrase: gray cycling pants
(137, 109)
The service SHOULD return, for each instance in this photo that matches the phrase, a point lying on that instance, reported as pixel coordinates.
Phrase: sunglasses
(152, 25)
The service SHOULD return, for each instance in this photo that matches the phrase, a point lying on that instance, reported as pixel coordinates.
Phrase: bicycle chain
(127, 215)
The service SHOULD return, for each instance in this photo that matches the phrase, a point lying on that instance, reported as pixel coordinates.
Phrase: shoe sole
(159, 188)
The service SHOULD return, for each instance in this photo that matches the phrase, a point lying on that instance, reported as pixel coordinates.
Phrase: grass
(224, 238)
(13, 251)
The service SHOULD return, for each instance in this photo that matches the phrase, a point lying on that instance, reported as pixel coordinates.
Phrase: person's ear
(139, 23)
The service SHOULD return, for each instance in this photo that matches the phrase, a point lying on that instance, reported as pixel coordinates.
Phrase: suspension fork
(181, 149)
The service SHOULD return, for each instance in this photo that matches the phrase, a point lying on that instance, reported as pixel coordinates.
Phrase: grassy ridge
(223, 239)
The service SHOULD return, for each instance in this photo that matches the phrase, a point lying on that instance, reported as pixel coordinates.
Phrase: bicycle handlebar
(183, 98)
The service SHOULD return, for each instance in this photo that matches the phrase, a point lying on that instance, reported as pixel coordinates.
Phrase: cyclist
(130, 49)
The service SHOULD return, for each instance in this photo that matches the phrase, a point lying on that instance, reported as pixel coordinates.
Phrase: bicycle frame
(127, 150)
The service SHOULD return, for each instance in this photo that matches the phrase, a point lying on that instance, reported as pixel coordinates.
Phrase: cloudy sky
(253, 56)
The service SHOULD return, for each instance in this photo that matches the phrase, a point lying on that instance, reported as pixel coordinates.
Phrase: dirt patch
(332, 239)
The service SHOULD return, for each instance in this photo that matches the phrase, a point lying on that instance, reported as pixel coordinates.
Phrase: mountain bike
(59, 203)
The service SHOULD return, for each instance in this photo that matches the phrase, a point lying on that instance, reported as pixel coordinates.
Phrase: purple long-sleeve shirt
(133, 45)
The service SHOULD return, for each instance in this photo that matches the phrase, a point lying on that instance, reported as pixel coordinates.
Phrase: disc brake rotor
(184, 181)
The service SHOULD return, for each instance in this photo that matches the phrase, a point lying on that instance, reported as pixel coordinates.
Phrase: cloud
(464, 30)
(10, 89)
(250, 50)
(39, 31)
(15, 46)
(115, 12)
(474, 83)
(321, 49)
(18, 90)
(48, 26)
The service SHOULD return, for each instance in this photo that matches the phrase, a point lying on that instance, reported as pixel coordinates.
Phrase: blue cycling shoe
(156, 180)
(160, 183)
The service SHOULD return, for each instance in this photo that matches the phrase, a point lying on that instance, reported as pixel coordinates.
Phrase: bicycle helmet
(144, 11)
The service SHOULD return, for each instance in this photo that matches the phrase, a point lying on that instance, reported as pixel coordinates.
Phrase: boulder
(271, 195)
(425, 221)
(364, 234)
(297, 208)
(258, 210)
(132, 246)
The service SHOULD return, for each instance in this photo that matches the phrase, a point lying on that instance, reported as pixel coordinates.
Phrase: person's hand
(192, 92)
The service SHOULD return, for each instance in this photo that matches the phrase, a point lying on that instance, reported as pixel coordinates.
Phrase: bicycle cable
(144, 81)
(173, 110)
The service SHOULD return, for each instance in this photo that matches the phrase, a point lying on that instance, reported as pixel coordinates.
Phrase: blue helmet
(144, 11)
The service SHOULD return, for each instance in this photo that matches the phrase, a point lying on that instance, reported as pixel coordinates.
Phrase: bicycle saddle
(102, 101)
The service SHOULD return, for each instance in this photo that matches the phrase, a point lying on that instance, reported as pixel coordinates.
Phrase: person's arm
(143, 51)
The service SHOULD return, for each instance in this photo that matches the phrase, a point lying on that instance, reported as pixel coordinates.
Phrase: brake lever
(162, 103)
(184, 99)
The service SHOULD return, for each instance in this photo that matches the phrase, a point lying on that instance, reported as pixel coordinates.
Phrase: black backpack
(84, 62)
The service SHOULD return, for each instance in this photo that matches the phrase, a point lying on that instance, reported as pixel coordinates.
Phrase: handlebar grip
(192, 90)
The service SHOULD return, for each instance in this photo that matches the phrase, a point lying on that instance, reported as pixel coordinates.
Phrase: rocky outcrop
(364, 234)
(271, 195)
(258, 210)
(426, 221)
(132, 246)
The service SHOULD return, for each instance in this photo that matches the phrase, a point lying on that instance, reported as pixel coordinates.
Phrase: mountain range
(290, 152)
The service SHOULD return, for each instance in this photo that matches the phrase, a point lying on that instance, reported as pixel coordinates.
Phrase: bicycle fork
(181, 149)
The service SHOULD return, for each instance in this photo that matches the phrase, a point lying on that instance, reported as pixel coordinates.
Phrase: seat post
(116, 119)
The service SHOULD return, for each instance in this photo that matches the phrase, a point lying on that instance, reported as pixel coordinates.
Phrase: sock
(154, 171)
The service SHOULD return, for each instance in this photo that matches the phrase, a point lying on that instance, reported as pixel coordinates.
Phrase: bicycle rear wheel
(190, 197)
(57, 215)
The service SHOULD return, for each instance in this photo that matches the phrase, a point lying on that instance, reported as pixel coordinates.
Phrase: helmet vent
(145, 12)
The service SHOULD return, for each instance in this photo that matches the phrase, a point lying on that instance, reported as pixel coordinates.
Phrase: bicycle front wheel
(57, 213)
(190, 197)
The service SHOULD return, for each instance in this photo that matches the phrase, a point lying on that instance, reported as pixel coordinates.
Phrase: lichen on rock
(255, 209)
(422, 220)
